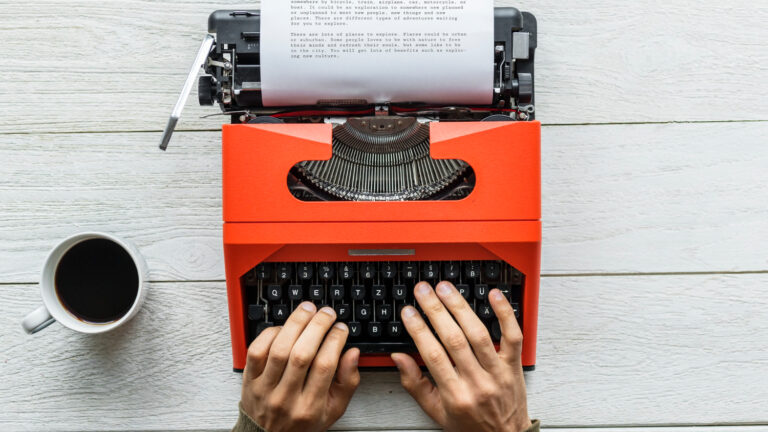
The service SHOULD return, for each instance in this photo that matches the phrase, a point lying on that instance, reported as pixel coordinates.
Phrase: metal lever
(202, 54)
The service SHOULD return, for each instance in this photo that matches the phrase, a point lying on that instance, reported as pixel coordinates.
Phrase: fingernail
(395, 360)
(423, 288)
(340, 326)
(497, 295)
(308, 306)
(328, 311)
(409, 312)
(443, 289)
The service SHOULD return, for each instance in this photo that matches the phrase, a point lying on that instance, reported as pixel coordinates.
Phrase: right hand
(291, 381)
(486, 389)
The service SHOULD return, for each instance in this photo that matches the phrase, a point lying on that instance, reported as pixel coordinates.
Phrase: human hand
(485, 391)
(291, 382)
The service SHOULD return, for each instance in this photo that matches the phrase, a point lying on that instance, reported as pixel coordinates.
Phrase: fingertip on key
(444, 289)
(497, 295)
(309, 306)
(422, 288)
(409, 312)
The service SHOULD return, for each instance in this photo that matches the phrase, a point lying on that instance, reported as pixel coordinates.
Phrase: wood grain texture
(84, 65)
(621, 198)
(612, 351)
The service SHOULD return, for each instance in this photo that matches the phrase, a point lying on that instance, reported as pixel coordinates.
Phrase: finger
(305, 349)
(346, 382)
(474, 329)
(450, 333)
(283, 343)
(511, 336)
(431, 350)
(258, 353)
(327, 360)
(419, 387)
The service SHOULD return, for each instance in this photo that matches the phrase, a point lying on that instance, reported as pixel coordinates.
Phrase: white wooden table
(654, 294)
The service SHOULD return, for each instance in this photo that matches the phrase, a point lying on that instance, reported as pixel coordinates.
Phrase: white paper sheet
(431, 51)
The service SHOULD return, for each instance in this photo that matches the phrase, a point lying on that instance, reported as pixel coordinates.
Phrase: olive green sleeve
(535, 425)
(246, 424)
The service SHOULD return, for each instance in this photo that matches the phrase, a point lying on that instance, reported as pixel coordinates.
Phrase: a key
(374, 329)
(343, 311)
(492, 270)
(316, 292)
(306, 272)
(395, 329)
(255, 312)
(368, 271)
(399, 292)
(295, 292)
(326, 272)
(260, 327)
(284, 271)
(355, 328)
(472, 270)
(280, 312)
(337, 292)
(384, 312)
(409, 271)
(517, 277)
(363, 312)
(274, 292)
(357, 292)
(506, 290)
(264, 271)
(379, 292)
(388, 271)
(347, 271)
(463, 290)
(429, 271)
(496, 331)
(484, 311)
(481, 291)
(450, 271)
(250, 278)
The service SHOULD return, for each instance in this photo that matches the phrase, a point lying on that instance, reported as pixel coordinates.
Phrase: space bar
(382, 347)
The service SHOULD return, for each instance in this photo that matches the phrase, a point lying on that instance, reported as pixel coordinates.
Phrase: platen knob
(206, 90)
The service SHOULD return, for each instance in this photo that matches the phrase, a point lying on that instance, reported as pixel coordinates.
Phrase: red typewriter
(351, 206)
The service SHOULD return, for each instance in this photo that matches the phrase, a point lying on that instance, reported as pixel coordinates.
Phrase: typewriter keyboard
(368, 296)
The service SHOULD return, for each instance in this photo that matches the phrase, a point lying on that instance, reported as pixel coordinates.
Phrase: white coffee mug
(54, 310)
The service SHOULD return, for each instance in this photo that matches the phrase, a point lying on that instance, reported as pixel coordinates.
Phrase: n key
(395, 329)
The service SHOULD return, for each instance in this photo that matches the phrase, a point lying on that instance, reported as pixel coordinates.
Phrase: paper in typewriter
(377, 51)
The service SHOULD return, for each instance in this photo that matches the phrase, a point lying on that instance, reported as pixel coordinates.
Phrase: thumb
(346, 382)
(420, 387)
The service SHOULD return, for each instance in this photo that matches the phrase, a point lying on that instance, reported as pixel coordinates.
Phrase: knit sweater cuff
(245, 423)
(535, 425)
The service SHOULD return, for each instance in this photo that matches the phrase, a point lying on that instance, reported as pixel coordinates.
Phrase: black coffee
(97, 281)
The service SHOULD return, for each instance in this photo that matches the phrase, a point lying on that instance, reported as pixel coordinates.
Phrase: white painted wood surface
(630, 350)
(617, 349)
(118, 65)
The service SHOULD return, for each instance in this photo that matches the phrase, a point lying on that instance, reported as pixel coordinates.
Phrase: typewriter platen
(350, 204)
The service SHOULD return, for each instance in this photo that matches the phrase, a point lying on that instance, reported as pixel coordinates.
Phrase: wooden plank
(613, 351)
(623, 198)
(118, 65)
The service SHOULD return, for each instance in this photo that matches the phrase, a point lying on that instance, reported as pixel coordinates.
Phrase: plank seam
(545, 125)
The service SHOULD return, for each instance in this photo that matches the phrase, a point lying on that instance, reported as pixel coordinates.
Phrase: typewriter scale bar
(369, 295)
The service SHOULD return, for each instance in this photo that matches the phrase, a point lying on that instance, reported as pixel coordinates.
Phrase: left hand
(291, 382)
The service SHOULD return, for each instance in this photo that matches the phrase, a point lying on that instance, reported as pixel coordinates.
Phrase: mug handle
(37, 320)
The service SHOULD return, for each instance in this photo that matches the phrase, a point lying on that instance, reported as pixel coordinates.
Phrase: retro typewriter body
(351, 206)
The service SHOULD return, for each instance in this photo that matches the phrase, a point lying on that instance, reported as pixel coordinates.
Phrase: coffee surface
(97, 281)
